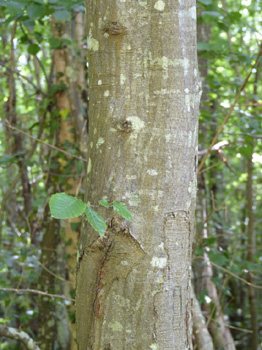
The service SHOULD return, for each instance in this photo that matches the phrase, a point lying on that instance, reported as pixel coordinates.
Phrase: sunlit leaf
(63, 206)
(36, 11)
(96, 221)
(122, 210)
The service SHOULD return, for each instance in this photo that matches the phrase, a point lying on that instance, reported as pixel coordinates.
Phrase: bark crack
(99, 283)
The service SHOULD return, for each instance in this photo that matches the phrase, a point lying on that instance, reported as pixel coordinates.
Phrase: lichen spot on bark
(100, 141)
(152, 172)
(89, 166)
(137, 124)
(143, 3)
(92, 43)
(106, 93)
(115, 326)
(158, 262)
(192, 12)
(160, 5)
(122, 79)
(154, 346)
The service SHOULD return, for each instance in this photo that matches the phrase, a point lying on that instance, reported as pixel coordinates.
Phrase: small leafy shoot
(122, 210)
(96, 221)
(63, 206)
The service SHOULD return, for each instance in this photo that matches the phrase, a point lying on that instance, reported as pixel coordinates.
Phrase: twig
(45, 143)
(51, 272)
(230, 110)
(239, 329)
(23, 337)
(35, 291)
(3, 64)
(231, 273)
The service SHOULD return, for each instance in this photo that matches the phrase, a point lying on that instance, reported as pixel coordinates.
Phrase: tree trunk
(251, 253)
(219, 331)
(71, 117)
(202, 337)
(133, 286)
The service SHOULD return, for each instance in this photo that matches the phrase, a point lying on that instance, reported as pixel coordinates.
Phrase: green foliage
(96, 221)
(33, 49)
(104, 203)
(36, 11)
(118, 207)
(63, 206)
(122, 210)
(62, 15)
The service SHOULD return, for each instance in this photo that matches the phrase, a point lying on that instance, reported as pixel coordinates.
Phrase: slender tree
(133, 286)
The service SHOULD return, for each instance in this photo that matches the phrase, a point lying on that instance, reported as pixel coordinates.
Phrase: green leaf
(5, 159)
(218, 258)
(3, 3)
(62, 15)
(122, 210)
(210, 14)
(96, 221)
(203, 46)
(205, 2)
(210, 240)
(63, 206)
(104, 203)
(14, 8)
(55, 43)
(35, 11)
(246, 151)
(24, 39)
(33, 49)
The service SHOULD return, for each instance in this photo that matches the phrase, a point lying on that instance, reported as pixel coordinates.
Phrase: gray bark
(133, 286)
(203, 339)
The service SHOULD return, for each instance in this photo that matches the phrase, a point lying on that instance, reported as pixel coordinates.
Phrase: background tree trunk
(133, 286)
(251, 253)
(69, 106)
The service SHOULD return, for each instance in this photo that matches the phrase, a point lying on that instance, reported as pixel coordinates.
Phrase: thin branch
(220, 129)
(231, 273)
(216, 147)
(51, 272)
(23, 337)
(45, 143)
(35, 291)
(239, 329)
(3, 64)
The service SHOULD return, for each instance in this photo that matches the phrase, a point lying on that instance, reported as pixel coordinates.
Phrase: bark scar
(99, 283)
(114, 28)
